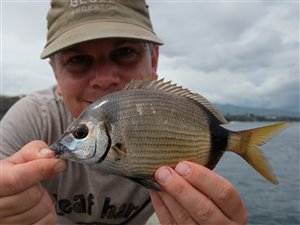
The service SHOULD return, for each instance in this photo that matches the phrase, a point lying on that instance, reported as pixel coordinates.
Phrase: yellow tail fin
(246, 144)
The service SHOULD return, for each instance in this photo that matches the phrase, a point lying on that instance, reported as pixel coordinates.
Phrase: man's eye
(123, 52)
(79, 59)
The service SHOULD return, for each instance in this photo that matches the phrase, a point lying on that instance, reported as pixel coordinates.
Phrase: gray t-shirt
(82, 195)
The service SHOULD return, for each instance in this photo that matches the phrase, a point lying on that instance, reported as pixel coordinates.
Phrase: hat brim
(98, 30)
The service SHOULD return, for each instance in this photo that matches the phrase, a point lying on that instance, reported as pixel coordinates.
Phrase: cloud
(244, 53)
(23, 38)
(239, 52)
(22, 70)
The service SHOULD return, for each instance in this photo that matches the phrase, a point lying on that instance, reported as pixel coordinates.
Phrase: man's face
(90, 70)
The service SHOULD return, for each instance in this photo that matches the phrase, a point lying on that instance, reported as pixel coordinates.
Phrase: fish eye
(81, 132)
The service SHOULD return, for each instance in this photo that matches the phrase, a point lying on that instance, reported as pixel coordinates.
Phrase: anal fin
(147, 182)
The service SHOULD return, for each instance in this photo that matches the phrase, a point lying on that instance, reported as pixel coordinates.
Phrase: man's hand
(22, 198)
(194, 194)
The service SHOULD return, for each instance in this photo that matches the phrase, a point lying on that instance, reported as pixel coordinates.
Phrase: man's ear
(58, 90)
(154, 60)
(53, 66)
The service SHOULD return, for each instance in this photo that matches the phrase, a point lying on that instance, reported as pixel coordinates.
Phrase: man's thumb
(33, 150)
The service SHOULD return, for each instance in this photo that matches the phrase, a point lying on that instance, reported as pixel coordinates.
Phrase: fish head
(85, 141)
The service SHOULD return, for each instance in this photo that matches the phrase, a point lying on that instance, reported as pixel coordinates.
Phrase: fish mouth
(59, 149)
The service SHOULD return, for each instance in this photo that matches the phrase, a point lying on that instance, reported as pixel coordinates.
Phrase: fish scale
(147, 101)
(127, 111)
(141, 132)
(151, 123)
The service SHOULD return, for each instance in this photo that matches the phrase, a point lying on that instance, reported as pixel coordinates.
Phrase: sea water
(267, 203)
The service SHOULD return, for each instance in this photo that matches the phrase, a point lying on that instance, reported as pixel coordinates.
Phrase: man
(95, 47)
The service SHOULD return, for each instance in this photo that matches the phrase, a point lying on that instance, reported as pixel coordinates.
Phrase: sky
(243, 52)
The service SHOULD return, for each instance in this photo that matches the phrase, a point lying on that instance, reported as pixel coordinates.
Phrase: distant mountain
(246, 113)
(6, 102)
(229, 109)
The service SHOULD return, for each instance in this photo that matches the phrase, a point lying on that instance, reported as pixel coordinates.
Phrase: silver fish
(151, 123)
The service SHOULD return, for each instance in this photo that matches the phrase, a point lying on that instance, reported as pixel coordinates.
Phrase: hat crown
(67, 15)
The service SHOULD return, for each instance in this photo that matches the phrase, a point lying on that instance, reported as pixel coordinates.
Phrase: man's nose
(104, 76)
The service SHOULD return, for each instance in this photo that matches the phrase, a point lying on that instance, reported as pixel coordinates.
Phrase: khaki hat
(74, 21)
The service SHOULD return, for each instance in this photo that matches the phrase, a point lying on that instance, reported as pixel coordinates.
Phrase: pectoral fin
(117, 152)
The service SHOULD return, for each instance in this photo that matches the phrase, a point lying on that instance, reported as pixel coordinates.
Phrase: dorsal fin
(160, 85)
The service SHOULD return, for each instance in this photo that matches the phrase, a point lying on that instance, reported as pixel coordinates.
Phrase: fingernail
(45, 151)
(183, 169)
(164, 174)
(60, 166)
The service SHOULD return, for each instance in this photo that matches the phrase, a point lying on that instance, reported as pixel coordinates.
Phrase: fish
(153, 123)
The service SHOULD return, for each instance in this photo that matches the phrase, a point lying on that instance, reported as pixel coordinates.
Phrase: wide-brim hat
(74, 21)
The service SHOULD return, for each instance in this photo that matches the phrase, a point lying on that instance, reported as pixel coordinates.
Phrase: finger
(222, 192)
(31, 151)
(197, 204)
(49, 219)
(21, 202)
(180, 215)
(18, 178)
(163, 214)
(34, 214)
